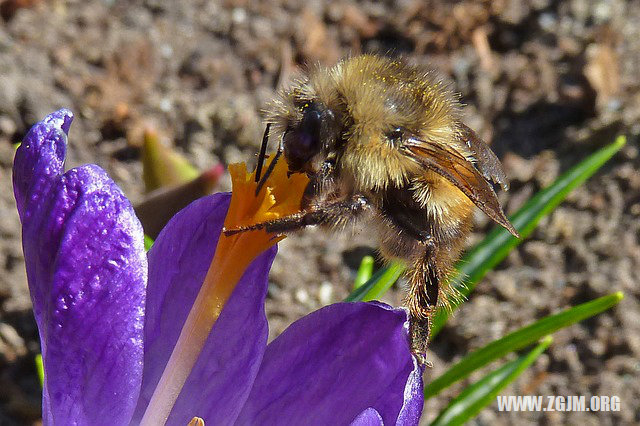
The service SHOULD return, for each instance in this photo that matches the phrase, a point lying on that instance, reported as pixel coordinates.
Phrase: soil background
(545, 82)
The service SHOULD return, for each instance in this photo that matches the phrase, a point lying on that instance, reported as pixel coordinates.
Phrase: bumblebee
(382, 141)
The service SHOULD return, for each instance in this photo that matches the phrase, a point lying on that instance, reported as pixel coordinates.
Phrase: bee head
(306, 138)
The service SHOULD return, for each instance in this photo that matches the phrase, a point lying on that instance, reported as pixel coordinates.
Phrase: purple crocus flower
(109, 315)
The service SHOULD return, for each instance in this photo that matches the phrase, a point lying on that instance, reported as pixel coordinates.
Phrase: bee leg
(316, 183)
(407, 224)
(422, 300)
(329, 213)
(404, 213)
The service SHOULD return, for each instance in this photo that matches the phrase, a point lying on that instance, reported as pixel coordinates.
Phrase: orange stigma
(280, 196)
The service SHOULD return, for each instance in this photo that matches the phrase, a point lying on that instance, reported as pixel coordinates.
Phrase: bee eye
(395, 136)
(309, 130)
(303, 142)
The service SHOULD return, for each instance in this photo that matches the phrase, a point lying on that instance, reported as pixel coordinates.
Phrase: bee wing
(454, 167)
(487, 162)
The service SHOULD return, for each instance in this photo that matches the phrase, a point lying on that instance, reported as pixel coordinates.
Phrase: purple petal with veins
(87, 272)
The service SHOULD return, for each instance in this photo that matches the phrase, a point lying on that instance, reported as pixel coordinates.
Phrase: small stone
(302, 296)
(14, 344)
(239, 15)
(7, 125)
(325, 293)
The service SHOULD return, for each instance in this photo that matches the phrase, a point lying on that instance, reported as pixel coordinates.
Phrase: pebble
(302, 296)
(325, 293)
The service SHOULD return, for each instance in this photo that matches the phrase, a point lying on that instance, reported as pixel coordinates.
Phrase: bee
(382, 141)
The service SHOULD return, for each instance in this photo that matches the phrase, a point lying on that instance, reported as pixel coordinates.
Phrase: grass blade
(495, 247)
(518, 340)
(378, 284)
(364, 271)
(40, 369)
(482, 393)
(148, 242)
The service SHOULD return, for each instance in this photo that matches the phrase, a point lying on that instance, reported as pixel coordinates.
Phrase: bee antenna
(269, 170)
(272, 165)
(263, 152)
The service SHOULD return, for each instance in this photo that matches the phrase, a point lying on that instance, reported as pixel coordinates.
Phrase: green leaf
(148, 242)
(495, 247)
(378, 284)
(482, 393)
(158, 207)
(40, 369)
(518, 340)
(163, 166)
(364, 271)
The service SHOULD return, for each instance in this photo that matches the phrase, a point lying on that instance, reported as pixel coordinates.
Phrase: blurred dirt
(546, 82)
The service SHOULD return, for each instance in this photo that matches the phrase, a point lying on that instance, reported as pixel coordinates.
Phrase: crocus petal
(178, 261)
(413, 397)
(333, 364)
(369, 417)
(87, 272)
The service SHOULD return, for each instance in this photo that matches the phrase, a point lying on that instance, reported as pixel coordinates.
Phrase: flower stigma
(196, 421)
(280, 196)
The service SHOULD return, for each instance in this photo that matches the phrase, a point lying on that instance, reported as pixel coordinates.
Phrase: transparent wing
(487, 162)
(454, 167)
